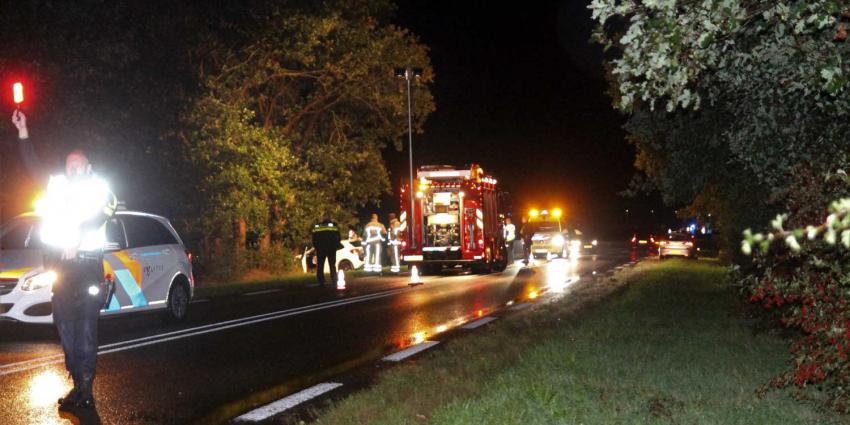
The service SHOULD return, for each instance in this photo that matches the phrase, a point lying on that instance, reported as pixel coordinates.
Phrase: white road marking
(478, 323)
(407, 352)
(288, 402)
(268, 291)
(12, 368)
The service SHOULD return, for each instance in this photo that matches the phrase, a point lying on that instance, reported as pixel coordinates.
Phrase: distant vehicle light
(595, 242)
(689, 244)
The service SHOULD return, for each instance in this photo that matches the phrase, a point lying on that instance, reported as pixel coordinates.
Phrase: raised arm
(25, 147)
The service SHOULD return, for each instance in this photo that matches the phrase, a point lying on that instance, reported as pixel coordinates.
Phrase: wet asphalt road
(236, 352)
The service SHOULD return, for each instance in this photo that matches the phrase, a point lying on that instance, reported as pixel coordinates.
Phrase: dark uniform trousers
(321, 256)
(76, 312)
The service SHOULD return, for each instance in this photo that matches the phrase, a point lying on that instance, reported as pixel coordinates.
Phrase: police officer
(373, 235)
(73, 230)
(326, 240)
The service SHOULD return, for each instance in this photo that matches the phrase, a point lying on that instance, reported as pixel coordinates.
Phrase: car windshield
(547, 228)
(679, 237)
(19, 233)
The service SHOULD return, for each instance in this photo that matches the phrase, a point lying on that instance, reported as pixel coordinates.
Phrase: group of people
(327, 241)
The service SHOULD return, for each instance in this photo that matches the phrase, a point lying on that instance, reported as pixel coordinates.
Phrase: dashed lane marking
(407, 352)
(288, 402)
(522, 306)
(478, 323)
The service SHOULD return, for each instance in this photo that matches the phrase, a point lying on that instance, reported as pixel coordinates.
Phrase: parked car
(644, 240)
(349, 257)
(145, 263)
(678, 244)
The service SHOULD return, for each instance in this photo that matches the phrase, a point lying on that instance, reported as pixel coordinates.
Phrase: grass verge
(671, 347)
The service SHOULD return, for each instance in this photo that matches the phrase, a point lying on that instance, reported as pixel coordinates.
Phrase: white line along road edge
(288, 402)
(478, 323)
(407, 352)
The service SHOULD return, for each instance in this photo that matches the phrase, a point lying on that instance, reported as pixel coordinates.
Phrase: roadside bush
(809, 291)
(805, 283)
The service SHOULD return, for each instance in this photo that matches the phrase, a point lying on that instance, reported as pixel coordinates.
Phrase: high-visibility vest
(69, 205)
(373, 232)
(510, 232)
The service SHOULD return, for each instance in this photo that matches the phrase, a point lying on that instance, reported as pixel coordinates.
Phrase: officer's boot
(86, 397)
(73, 397)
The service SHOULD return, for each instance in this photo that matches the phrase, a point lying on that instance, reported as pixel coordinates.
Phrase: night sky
(521, 91)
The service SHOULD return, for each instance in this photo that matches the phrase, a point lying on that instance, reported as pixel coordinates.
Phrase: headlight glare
(41, 280)
(558, 240)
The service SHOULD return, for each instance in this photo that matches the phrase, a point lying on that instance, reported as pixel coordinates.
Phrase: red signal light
(18, 93)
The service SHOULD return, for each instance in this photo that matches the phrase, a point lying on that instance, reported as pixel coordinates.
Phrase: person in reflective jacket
(73, 215)
(394, 244)
(326, 241)
(510, 237)
(373, 236)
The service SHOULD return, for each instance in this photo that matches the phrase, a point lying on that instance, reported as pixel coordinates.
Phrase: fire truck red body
(455, 220)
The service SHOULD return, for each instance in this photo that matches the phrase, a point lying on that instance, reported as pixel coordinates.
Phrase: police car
(145, 263)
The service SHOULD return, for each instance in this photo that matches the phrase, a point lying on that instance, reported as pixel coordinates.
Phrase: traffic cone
(414, 277)
(340, 282)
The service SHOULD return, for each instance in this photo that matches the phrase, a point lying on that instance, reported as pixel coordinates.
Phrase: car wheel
(345, 266)
(178, 302)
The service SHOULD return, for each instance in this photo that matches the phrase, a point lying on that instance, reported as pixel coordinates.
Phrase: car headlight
(41, 280)
(558, 240)
(594, 243)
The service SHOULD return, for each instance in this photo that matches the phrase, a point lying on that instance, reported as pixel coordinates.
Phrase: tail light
(651, 239)
(634, 239)
(189, 256)
(689, 244)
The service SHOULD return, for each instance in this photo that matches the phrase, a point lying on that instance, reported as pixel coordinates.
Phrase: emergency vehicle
(455, 221)
(145, 263)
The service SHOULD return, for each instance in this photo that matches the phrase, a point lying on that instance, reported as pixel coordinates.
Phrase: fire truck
(452, 219)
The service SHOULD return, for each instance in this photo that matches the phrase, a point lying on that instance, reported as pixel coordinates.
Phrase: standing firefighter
(74, 213)
(394, 244)
(373, 235)
(510, 238)
(326, 240)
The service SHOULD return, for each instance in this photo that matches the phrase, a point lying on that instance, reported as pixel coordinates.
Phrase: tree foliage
(296, 117)
(753, 91)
